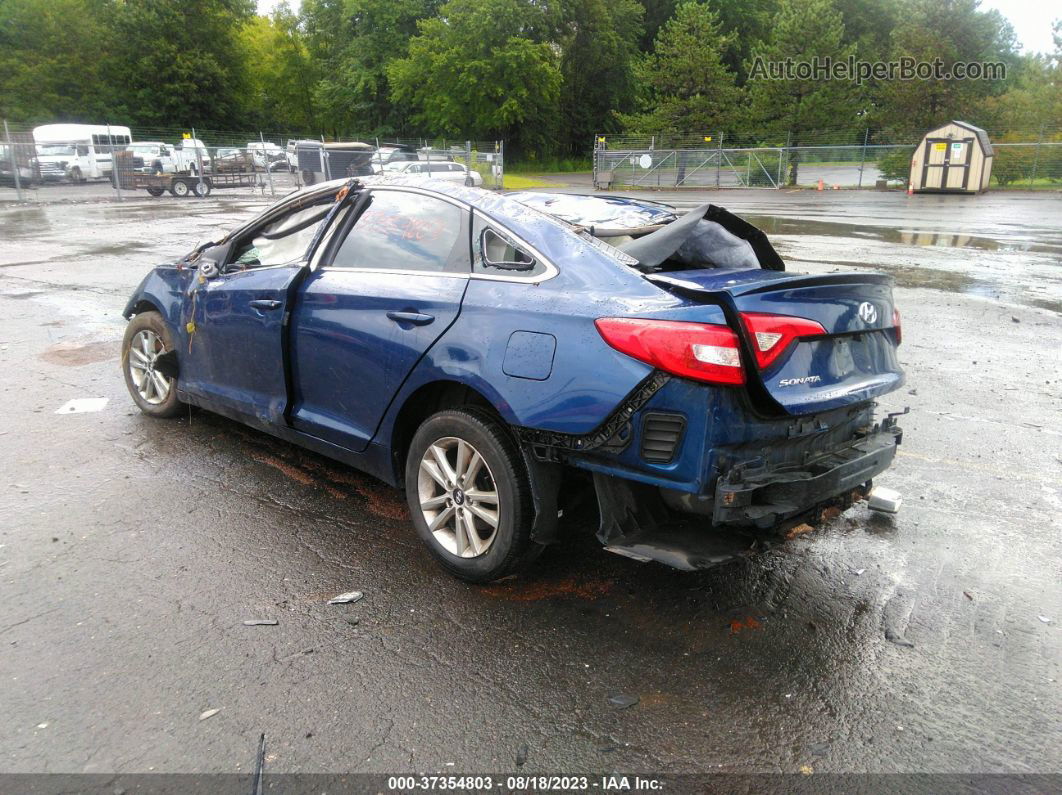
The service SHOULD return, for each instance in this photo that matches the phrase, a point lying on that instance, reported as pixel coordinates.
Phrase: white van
(78, 152)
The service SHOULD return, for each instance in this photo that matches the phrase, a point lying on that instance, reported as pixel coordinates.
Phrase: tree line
(544, 75)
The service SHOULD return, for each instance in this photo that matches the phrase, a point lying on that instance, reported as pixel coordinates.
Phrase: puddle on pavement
(774, 225)
(76, 354)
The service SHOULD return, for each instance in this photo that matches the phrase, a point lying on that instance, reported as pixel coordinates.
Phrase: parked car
(448, 171)
(391, 153)
(27, 166)
(710, 397)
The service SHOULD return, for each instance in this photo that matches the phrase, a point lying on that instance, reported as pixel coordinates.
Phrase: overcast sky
(1031, 19)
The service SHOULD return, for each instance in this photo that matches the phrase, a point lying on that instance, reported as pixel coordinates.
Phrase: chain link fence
(830, 158)
(79, 161)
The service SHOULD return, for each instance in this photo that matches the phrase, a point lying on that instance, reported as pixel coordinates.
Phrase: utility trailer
(188, 184)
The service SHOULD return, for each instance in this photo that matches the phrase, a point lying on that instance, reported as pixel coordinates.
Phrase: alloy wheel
(458, 497)
(144, 350)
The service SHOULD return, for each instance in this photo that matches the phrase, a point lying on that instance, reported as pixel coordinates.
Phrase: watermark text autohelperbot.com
(904, 68)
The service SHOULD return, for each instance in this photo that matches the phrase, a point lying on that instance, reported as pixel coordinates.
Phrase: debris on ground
(1045, 619)
(893, 636)
(346, 598)
(622, 701)
(819, 749)
(738, 624)
(81, 405)
(859, 572)
(521, 755)
(799, 530)
(261, 622)
(210, 713)
(968, 595)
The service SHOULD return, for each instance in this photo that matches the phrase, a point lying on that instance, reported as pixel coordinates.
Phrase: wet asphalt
(132, 551)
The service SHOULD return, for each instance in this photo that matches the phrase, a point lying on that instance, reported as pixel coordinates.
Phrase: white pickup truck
(189, 153)
(158, 157)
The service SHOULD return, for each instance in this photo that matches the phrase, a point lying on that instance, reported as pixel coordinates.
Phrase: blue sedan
(488, 354)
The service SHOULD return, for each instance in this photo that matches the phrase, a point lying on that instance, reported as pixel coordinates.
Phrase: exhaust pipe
(884, 500)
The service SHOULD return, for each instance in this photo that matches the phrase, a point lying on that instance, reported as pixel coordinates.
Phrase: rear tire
(201, 189)
(475, 512)
(156, 192)
(179, 188)
(146, 338)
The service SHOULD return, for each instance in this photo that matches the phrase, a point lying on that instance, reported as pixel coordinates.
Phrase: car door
(235, 356)
(384, 290)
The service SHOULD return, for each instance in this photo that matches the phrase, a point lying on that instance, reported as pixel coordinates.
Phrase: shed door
(946, 164)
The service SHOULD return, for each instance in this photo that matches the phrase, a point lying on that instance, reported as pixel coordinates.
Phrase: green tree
(53, 61)
(690, 89)
(282, 76)
(181, 63)
(355, 41)
(803, 31)
(483, 69)
(746, 24)
(598, 41)
(953, 31)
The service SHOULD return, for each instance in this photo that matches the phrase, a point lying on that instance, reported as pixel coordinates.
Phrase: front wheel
(179, 188)
(470, 496)
(147, 337)
(156, 191)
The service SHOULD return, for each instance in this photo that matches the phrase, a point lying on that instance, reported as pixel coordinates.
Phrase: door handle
(415, 318)
(265, 303)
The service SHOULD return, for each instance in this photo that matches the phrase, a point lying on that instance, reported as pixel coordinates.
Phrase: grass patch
(549, 165)
(520, 182)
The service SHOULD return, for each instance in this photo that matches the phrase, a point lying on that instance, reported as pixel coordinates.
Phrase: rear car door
(387, 285)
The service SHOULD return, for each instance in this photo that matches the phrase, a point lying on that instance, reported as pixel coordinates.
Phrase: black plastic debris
(893, 636)
(261, 622)
(521, 755)
(622, 701)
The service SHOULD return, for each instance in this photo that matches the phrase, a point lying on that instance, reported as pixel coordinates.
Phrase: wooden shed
(954, 158)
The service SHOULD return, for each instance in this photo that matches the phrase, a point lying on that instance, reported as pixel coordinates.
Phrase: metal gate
(762, 167)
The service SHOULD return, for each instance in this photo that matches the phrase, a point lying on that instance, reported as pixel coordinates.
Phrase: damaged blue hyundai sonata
(484, 352)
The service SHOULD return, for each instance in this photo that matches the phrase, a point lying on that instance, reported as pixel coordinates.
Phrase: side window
(281, 241)
(496, 253)
(407, 231)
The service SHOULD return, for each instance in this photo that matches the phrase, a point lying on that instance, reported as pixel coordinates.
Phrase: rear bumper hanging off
(761, 497)
(636, 520)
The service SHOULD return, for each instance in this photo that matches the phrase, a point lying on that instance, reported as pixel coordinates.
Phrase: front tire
(179, 188)
(470, 496)
(147, 337)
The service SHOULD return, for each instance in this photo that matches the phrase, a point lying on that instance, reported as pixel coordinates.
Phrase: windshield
(145, 149)
(56, 149)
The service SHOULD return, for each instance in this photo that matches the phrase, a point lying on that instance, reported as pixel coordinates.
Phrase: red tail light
(896, 325)
(701, 351)
(772, 334)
